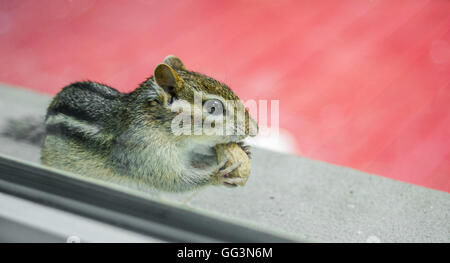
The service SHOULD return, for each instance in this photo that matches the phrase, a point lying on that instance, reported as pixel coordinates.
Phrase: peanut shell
(235, 154)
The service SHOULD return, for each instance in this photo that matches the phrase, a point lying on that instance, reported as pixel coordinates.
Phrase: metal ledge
(144, 216)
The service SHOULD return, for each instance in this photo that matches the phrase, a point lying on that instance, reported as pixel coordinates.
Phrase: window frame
(105, 203)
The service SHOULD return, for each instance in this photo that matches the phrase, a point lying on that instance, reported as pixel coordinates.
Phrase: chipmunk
(97, 131)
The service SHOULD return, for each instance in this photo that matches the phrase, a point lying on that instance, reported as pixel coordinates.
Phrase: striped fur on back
(84, 110)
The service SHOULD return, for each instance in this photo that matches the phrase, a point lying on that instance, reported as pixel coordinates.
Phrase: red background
(363, 84)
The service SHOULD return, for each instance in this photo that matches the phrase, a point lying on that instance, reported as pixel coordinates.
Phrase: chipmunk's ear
(174, 62)
(168, 79)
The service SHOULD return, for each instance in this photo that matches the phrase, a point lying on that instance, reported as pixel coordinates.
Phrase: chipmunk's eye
(213, 107)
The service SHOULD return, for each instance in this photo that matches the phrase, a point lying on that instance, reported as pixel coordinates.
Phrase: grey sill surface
(56, 225)
(312, 199)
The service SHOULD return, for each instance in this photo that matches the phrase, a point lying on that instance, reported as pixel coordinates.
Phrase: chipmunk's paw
(222, 176)
(233, 182)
